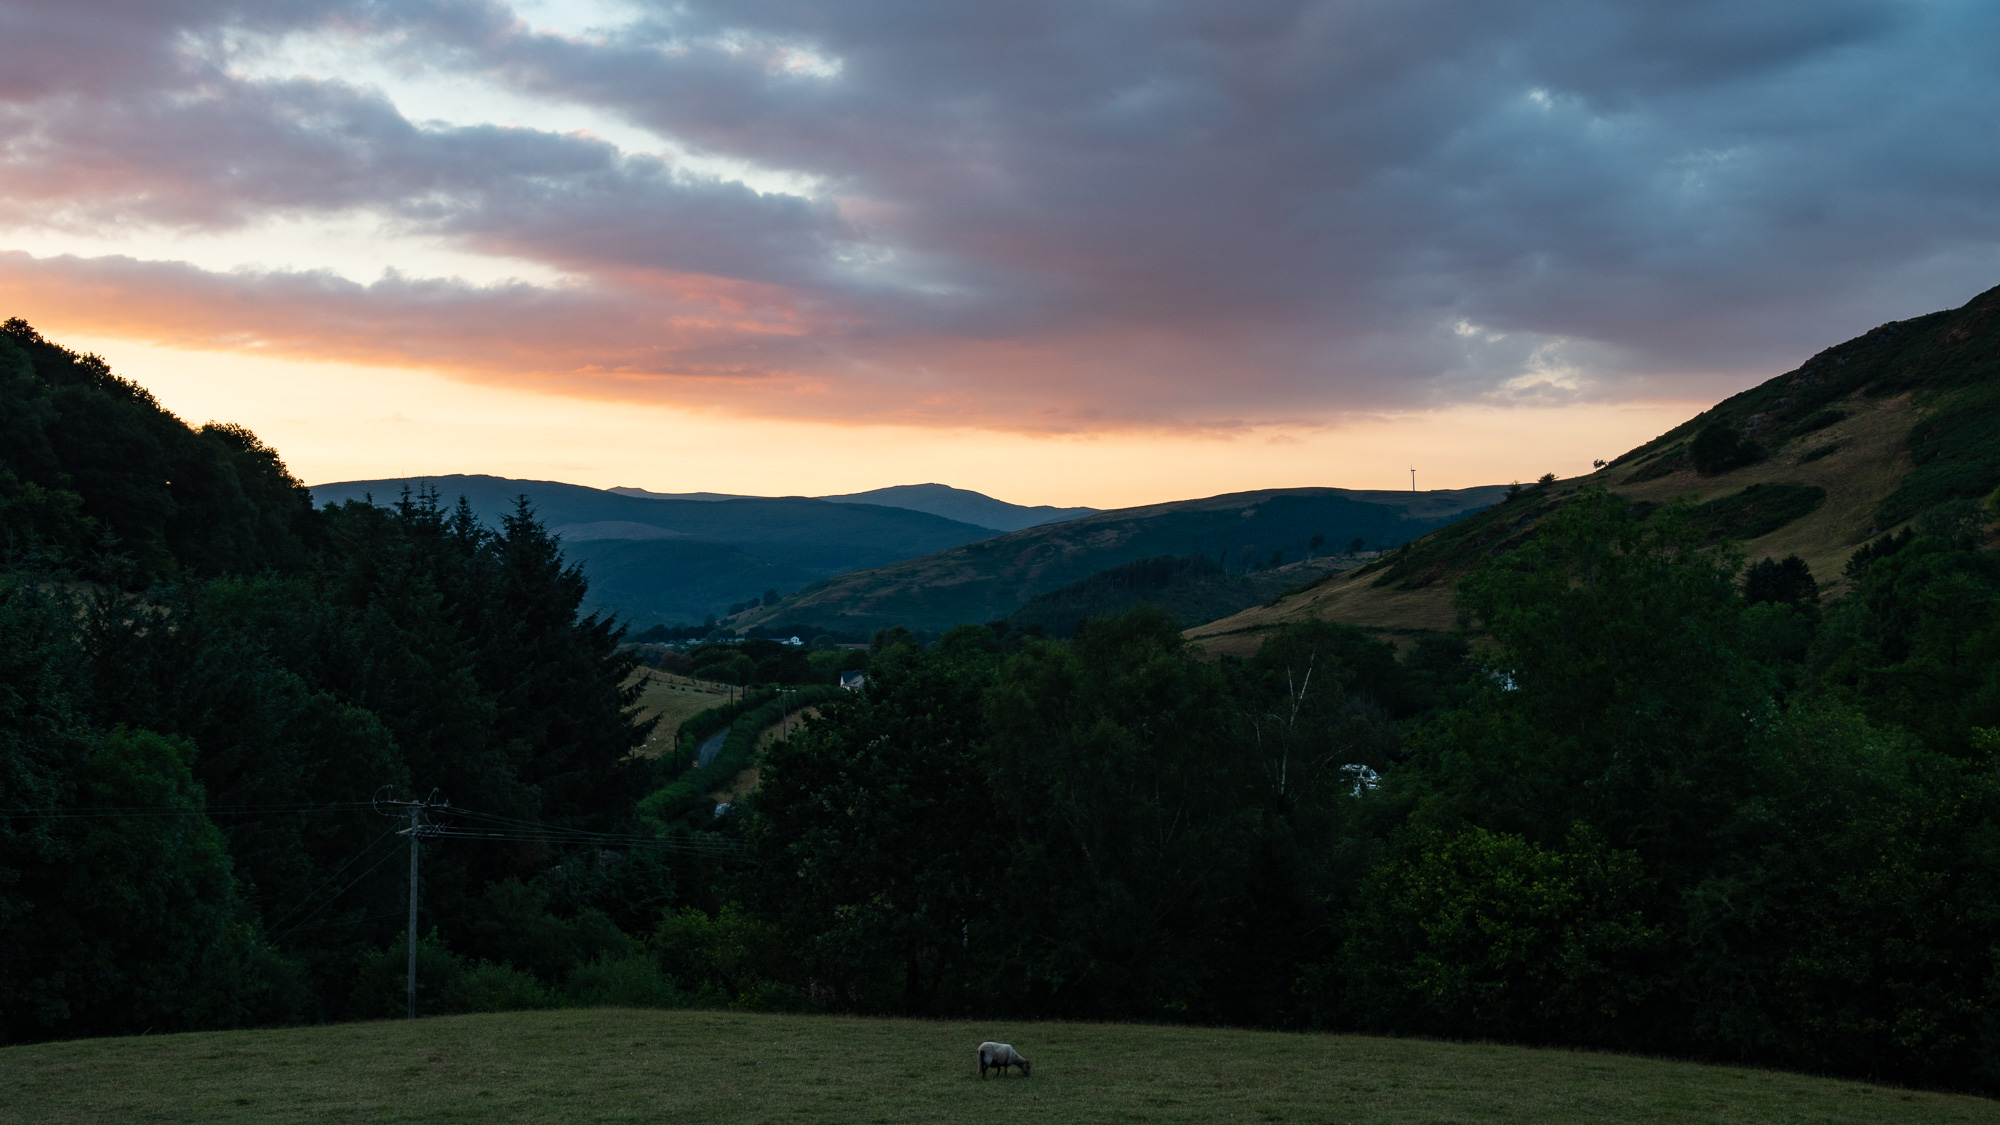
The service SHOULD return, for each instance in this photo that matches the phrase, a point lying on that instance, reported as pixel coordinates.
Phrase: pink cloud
(1040, 217)
(690, 341)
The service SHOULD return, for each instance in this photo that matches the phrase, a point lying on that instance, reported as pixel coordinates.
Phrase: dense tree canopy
(188, 641)
(1645, 798)
(1644, 808)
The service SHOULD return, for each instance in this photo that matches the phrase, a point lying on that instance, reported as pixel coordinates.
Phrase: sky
(1082, 252)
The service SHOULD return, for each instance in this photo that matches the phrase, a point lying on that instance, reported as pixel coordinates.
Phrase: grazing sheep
(1000, 1056)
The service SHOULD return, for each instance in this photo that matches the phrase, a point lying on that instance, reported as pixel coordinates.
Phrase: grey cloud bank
(1067, 215)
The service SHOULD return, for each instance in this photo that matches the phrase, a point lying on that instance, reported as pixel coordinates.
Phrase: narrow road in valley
(708, 750)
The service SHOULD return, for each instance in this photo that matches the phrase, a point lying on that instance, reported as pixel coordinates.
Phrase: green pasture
(721, 1067)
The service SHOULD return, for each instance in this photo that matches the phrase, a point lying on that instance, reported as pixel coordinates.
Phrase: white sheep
(1000, 1056)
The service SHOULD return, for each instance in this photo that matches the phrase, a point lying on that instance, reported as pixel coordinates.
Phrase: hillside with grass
(1860, 441)
(622, 1065)
(1245, 533)
(666, 700)
(1193, 589)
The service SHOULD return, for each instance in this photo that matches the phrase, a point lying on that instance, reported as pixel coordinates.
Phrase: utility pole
(415, 832)
(410, 985)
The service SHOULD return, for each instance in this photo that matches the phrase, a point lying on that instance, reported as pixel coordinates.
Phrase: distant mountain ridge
(647, 494)
(992, 578)
(658, 560)
(961, 504)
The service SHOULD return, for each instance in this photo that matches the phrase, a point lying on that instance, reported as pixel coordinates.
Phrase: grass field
(675, 699)
(725, 1067)
(746, 780)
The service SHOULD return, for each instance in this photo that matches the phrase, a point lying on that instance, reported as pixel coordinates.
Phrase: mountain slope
(963, 505)
(785, 523)
(678, 581)
(644, 494)
(990, 579)
(659, 560)
(959, 504)
(1192, 589)
(1856, 442)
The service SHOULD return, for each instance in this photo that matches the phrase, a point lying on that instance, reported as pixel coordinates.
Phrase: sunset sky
(1061, 252)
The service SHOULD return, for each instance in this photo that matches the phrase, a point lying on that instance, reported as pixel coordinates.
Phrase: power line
(340, 922)
(497, 827)
(503, 827)
(329, 881)
(93, 811)
(482, 826)
(330, 900)
(718, 849)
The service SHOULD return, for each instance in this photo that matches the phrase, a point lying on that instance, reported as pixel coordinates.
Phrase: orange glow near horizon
(821, 252)
(349, 422)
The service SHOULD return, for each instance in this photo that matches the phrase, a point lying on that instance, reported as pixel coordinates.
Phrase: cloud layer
(1035, 216)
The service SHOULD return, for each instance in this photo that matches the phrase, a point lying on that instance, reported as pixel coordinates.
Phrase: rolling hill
(963, 505)
(1860, 440)
(959, 504)
(991, 578)
(653, 559)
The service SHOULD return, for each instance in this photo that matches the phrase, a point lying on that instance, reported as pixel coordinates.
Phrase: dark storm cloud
(1160, 213)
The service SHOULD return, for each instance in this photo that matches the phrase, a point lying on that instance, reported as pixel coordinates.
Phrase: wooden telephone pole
(415, 832)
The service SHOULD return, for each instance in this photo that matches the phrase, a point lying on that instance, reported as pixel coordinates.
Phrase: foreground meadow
(650, 1066)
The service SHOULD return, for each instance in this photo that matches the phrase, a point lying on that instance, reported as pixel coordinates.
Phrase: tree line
(205, 683)
(1646, 798)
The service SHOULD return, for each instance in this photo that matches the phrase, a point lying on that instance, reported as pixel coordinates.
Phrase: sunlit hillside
(1861, 440)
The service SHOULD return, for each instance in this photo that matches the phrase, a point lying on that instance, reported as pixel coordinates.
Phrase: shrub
(378, 991)
(1486, 933)
(1960, 523)
(1956, 452)
(704, 725)
(511, 924)
(1790, 582)
(725, 957)
(1866, 555)
(633, 981)
(773, 996)
(1758, 510)
(489, 986)
(446, 983)
(1718, 448)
